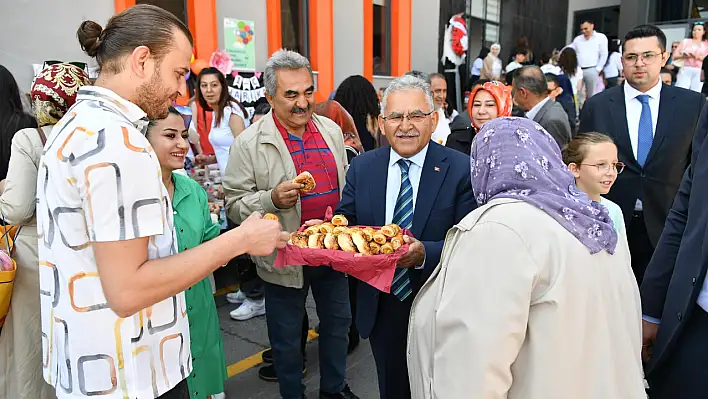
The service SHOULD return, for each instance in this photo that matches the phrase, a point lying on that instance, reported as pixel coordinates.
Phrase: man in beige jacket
(264, 160)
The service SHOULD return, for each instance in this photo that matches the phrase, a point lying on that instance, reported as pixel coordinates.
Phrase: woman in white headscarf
(492, 68)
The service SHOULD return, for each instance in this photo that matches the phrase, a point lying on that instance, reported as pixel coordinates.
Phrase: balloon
(241, 24)
(246, 28)
(192, 60)
(198, 65)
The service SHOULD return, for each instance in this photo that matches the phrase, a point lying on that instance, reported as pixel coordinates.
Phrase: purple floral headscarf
(517, 158)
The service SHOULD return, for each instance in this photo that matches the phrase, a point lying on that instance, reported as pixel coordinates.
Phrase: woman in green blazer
(168, 138)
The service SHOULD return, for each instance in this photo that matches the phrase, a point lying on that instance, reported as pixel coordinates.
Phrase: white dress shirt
(531, 114)
(614, 66)
(442, 131)
(634, 112)
(393, 183)
(592, 52)
(550, 68)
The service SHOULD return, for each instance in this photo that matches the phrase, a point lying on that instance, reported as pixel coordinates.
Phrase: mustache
(298, 110)
(410, 133)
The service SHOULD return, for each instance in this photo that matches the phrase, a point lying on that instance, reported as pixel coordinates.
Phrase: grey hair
(405, 83)
(283, 59)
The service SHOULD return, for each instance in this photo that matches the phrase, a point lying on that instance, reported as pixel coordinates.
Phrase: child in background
(592, 158)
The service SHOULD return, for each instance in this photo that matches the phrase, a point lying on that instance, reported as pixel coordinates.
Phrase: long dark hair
(568, 61)
(224, 99)
(705, 32)
(12, 116)
(483, 53)
(358, 96)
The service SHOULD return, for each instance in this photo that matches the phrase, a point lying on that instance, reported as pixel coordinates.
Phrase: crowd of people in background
(536, 213)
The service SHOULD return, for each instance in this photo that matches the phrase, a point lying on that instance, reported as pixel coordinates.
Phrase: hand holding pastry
(415, 255)
(286, 194)
(306, 180)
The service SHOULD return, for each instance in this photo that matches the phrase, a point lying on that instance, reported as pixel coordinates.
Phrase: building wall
(542, 22)
(577, 5)
(425, 54)
(245, 9)
(348, 39)
(34, 31)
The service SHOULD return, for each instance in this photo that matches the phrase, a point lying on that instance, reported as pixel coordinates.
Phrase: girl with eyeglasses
(691, 53)
(592, 158)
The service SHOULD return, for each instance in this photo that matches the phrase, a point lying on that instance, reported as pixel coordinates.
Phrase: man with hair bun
(113, 310)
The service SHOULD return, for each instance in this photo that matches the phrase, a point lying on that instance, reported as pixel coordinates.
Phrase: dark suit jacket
(659, 180)
(554, 119)
(444, 198)
(675, 275)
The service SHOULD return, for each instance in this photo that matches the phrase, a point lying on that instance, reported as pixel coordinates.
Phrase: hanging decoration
(221, 60)
(455, 41)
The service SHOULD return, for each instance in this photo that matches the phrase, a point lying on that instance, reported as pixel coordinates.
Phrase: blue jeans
(285, 309)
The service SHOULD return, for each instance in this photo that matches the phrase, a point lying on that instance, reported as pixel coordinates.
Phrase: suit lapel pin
(437, 169)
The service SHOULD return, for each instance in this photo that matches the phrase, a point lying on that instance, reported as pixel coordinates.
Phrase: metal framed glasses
(648, 57)
(395, 118)
(607, 167)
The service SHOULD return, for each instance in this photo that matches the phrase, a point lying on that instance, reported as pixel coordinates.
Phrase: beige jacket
(518, 308)
(20, 340)
(488, 71)
(259, 161)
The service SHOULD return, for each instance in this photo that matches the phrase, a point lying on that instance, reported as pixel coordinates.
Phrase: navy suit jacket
(675, 275)
(444, 198)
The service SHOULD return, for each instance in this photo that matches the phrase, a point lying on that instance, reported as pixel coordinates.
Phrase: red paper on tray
(375, 270)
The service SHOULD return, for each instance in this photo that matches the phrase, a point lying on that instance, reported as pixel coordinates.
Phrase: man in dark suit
(674, 291)
(417, 184)
(652, 125)
(531, 95)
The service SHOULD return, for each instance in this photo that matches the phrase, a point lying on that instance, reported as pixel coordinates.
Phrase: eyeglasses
(415, 117)
(607, 167)
(648, 57)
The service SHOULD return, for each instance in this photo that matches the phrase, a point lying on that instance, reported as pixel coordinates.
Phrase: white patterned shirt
(99, 181)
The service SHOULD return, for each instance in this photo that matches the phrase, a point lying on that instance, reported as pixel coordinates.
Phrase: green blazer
(194, 226)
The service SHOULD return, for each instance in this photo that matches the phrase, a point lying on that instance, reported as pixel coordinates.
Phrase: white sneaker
(249, 309)
(236, 298)
(219, 396)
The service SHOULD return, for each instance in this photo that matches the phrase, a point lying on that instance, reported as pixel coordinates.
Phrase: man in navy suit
(417, 184)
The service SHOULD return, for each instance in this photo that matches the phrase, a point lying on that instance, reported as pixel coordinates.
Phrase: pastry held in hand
(390, 230)
(345, 242)
(361, 244)
(307, 180)
(270, 216)
(330, 242)
(374, 248)
(340, 220)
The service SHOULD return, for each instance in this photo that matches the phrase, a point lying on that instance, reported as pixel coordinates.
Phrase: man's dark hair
(437, 75)
(262, 109)
(643, 31)
(587, 21)
(140, 25)
(532, 79)
(522, 51)
(545, 58)
(670, 72)
(550, 77)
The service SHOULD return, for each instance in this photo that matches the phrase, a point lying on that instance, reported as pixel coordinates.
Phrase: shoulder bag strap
(42, 136)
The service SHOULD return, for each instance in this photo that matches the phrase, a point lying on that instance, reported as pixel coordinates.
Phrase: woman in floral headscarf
(533, 297)
(488, 101)
(53, 92)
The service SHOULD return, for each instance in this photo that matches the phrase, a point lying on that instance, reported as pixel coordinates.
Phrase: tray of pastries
(367, 253)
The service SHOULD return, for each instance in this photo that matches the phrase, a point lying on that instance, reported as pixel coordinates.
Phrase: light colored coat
(21, 337)
(518, 308)
(259, 161)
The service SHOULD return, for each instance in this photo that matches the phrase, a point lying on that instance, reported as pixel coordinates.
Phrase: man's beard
(152, 98)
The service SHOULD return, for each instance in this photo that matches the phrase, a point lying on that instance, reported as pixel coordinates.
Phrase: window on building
(294, 21)
(491, 33)
(382, 37)
(176, 7)
(493, 10)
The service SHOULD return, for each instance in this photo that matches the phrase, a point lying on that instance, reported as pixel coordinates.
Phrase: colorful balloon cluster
(244, 33)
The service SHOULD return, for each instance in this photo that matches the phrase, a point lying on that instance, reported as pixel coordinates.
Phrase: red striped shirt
(312, 154)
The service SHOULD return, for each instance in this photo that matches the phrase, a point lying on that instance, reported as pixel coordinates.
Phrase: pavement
(245, 340)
